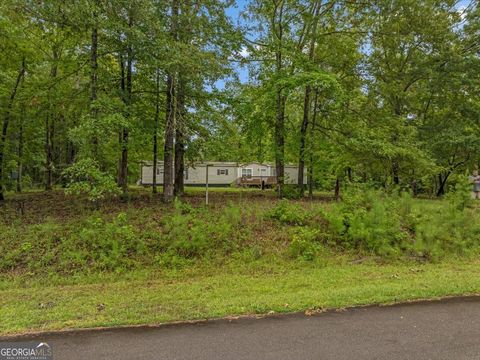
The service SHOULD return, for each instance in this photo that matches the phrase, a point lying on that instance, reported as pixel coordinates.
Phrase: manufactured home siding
(147, 175)
(196, 174)
(221, 173)
(291, 175)
(257, 169)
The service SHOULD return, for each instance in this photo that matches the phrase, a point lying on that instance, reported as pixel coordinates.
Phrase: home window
(159, 171)
(222, 171)
(247, 173)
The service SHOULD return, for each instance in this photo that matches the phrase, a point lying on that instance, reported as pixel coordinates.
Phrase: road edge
(308, 312)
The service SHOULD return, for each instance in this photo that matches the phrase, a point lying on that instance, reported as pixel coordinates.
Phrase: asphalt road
(448, 329)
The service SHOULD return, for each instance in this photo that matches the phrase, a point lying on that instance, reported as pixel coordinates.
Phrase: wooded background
(380, 92)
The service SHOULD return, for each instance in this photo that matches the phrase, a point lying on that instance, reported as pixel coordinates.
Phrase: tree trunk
(168, 171)
(395, 170)
(350, 174)
(155, 132)
(49, 134)
(50, 126)
(123, 167)
(306, 102)
(396, 160)
(6, 121)
(168, 177)
(20, 150)
(414, 187)
(125, 101)
(93, 82)
(303, 138)
(185, 36)
(337, 189)
(71, 151)
(127, 98)
(280, 142)
(180, 139)
(280, 103)
(442, 181)
(310, 169)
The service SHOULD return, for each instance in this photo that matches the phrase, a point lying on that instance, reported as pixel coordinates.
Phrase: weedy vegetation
(62, 241)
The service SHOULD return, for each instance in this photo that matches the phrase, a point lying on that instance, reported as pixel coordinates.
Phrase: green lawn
(152, 298)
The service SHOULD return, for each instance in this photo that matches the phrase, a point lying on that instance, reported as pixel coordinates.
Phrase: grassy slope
(207, 290)
(276, 287)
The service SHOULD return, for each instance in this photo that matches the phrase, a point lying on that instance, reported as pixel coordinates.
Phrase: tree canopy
(381, 92)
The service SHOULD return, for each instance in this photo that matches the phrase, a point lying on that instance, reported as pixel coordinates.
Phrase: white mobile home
(224, 174)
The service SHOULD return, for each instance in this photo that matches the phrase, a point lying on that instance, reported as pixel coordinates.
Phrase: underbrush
(367, 223)
(101, 242)
(386, 225)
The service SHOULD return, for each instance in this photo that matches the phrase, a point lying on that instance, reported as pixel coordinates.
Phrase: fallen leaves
(311, 312)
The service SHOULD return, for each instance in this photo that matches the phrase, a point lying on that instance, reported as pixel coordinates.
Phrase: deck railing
(256, 181)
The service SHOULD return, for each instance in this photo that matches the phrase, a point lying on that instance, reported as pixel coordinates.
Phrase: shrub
(287, 213)
(304, 243)
(85, 177)
(29, 248)
(291, 191)
(172, 260)
(92, 245)
(182, 207)
(377, 229)
(395, 224)
(461, 194)
(111, 245)
(96, 244)
(368, 220)
(203, 233)
(445, 229)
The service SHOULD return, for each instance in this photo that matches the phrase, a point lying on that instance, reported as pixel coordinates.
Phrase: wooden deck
(257, 181)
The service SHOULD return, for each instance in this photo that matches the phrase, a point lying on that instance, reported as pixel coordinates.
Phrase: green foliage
(287, 213)
(390, 225)
(182, 207)
(97, 243)
(192, 234)
(365, 222)
(291, 191)
(85, 177)
(94, 245)
(446, 230)
(326, 82)
(111, 245)
(412, 115)
(452, 226)
(461, 194)
(304, 243)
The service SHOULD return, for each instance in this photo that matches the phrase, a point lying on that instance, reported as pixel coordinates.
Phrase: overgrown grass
(73, 265)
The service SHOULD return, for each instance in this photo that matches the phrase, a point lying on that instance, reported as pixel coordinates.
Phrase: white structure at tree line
(225, 174)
